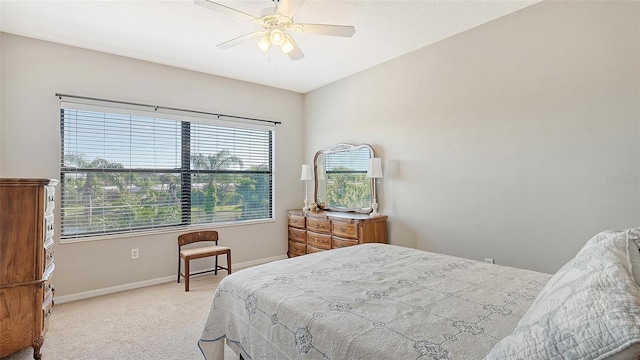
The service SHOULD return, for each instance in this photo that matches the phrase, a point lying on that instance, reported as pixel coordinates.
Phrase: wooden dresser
(26, 262)
(313, 231)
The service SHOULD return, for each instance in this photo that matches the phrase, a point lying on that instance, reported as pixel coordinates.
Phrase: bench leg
(186, 274)
(179, 261)
(229, 262)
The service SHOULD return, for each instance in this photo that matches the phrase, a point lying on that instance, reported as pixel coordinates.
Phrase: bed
(379, 301)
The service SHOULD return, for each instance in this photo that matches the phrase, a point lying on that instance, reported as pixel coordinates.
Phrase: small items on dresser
(26, 262)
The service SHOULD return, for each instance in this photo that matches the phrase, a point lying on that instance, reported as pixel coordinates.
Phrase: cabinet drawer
(321, 241)
(345, 229)
(297, 235)
(49, 252)
(296, 248)
(319, 225)
(339, 242)
(297, 221)
(311, 249)
(48, 227)
(50, 198)
(47, 307)
(48, 289)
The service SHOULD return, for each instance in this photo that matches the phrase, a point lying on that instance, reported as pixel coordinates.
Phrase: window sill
(163, 231)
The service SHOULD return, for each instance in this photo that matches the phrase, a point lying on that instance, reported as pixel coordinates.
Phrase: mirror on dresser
(341, 182)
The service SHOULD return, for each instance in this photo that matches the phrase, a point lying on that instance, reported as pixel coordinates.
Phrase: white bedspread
(372, 301)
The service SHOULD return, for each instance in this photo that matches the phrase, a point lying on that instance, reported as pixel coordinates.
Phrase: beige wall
(516, 140)
(32, 71)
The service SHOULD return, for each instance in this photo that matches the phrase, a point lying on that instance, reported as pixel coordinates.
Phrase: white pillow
(590, 309)
(634, 254)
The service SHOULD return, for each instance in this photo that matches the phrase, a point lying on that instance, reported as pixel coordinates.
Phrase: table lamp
(374, 172)
(306, 176)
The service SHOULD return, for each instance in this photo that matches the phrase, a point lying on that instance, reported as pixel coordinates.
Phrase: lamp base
(306, 205)
(374, 211)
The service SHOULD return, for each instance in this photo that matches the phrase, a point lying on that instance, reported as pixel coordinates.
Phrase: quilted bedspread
(589, 310)
(371, 301)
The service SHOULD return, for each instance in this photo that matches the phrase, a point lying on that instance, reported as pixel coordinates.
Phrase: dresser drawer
(345, 229)
(297, 235)
(321, 241)
(296, 248)
(49, 227)
(50, 198)
(319, 225)
(297, 221)
(48, 289)
(311, 249)
(340, 242)
(47, 307)
(49, 251)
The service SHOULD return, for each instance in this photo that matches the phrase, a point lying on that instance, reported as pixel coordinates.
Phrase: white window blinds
(127, 170)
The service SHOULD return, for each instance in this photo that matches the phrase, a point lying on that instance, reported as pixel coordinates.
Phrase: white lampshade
(306, 173)
(264, 44)
(287, 46)
(375, 168)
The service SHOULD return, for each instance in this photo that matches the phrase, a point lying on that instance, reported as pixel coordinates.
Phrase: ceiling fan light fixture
(274, 22)
(277, 37)
(287, 45)
(264, 44)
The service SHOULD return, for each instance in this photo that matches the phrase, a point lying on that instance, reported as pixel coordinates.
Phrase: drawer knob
(343, 229)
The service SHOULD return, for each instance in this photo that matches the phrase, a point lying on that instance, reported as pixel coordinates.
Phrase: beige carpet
(156, 322)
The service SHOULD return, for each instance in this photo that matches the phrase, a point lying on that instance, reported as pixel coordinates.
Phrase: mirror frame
(342, 147)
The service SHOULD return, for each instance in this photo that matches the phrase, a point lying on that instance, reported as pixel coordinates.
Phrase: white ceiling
(182, 34)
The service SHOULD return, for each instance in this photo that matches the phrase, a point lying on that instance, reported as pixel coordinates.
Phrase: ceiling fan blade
(289, 8)
(225, 9)
(322, 29)
(241, 39)
(296, 53)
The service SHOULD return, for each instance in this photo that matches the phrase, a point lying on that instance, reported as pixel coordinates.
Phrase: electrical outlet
(490, 261)
(134, 254)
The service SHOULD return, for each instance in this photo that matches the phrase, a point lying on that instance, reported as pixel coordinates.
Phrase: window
(127, 171)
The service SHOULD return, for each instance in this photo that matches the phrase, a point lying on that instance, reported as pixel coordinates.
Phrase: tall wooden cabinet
(313, 231)
(26, 262)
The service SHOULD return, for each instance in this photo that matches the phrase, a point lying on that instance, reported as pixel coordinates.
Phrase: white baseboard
(140, 284)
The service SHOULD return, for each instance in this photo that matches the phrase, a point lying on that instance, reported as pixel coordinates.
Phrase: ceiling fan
(276, 24)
